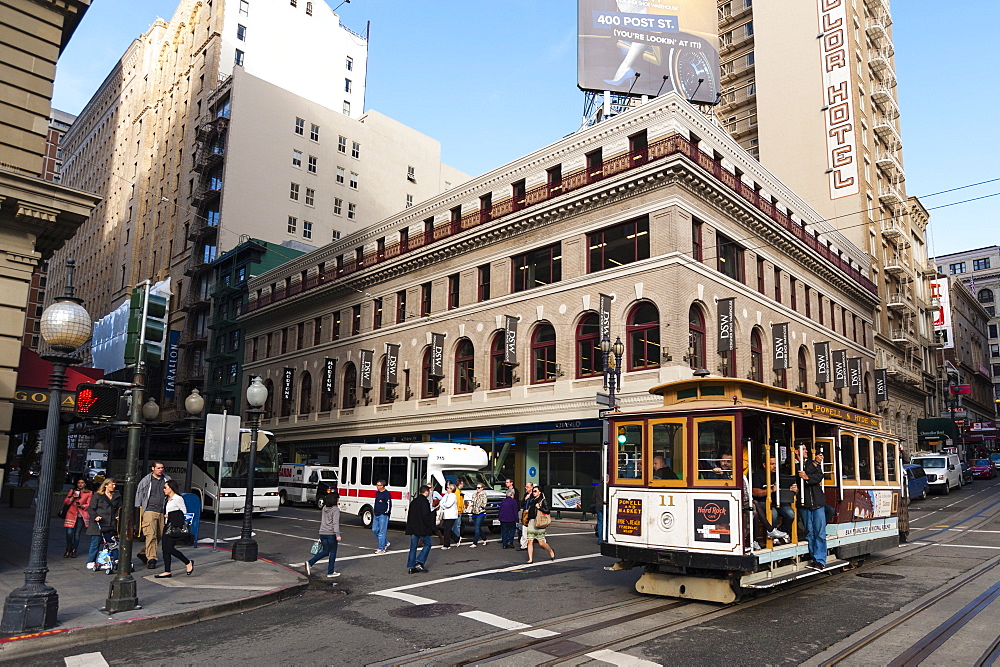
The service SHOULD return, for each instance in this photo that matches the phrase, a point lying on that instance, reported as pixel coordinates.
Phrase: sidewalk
(219, 587)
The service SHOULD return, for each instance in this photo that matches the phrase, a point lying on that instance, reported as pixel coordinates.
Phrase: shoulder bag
(542, 519)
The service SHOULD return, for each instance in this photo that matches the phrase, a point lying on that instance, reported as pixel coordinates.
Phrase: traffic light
(147, 327)
(97, 401)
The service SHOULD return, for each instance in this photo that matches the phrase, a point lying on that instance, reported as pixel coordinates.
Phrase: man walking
(419, 526)
(380, 518)
(150, 497)
(526, 504)
(814, 509)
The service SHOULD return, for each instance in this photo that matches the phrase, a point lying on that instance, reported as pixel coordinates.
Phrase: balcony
(737, 42)
(885, 128)
(877, 6)
(885, 101)
(903, 336)
(878, 27)
(889, 163)
(904, 372)
(895, 265)
(731, 14)
(734, 69)
(208, 191)
(889, 195)
(209, 159)
(892, 229)
(900, 302)
(741, 127)
(736, 97)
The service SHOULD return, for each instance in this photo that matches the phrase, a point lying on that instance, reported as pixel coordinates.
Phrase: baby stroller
(107, 557)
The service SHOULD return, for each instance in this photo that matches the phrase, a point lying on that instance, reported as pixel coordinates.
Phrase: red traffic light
(97, 401)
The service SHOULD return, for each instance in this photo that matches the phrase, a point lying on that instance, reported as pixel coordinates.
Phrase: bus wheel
(282, 498)
(367, 516)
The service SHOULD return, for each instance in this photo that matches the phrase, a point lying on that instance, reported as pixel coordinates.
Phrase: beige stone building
(656, 208)
(809, 89)
(232, 119)
(36, 216)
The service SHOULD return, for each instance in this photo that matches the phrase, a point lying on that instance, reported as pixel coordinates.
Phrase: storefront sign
(854, 375)
(839, 369)
(329, 375)
(365, 364)
(510, 340)
(727, 321)
(823, 375)
(437, 355)
(605, 306)
(881, 386)
(779, 344)
(170, 372)
(628, 520)
(391, 364)
(287, 381)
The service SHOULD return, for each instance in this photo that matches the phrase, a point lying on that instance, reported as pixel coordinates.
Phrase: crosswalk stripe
(621, 659)
(86, 660)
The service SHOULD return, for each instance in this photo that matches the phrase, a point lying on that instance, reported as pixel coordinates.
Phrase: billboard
(649, 47)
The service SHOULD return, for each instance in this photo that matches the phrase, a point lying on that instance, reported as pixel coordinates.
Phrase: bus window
(354, 470)
(715, 450)
(366, 471)
(380, 468)
(628, 445)
(419, 475)
(864, 459)
(343, 470)
(878, 450)
(892, 454)
(847, 457)
(397, 471)
(667, 462)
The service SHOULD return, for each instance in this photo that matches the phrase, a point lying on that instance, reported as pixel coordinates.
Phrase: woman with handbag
(329, 535)
(75, 516)
(175, 529)
(104, 508)
(477, 510)
(538, 521)
(449, 513)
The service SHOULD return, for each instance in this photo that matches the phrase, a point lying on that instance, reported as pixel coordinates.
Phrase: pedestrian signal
(97, 401)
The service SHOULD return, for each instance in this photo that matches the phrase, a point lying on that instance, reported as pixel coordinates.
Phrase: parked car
(916, 481)
(967, 475)
(995, 458)
(982, 469)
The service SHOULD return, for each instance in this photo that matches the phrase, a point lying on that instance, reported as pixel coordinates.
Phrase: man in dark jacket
(380, 515)
(814, 509)
(419, 526)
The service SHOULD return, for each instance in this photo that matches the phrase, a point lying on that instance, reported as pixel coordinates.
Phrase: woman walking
(174, 511)
(508, 519)
(449, 509)
(104, 507)
(537, 506)
(477, 510)
(77, 519)
(329, 535)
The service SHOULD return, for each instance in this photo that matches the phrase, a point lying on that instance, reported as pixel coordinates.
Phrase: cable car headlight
(667, 521)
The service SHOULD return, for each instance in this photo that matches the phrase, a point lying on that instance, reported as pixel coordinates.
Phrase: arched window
(386, 391)
(350, 392)
(803, 370)
(269, 403)
(589, 358)
(985, 296)
(643, 331)
(465, 367)
(501, 375)
(756, 356)
(430, 386)
(543, 354)
(305, 394)
(696, 338)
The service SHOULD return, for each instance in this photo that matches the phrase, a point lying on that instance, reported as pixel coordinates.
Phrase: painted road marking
(949, 544)
(86, 660)
(621, 659)
(540, 633)
(405, 597)
(494, 620)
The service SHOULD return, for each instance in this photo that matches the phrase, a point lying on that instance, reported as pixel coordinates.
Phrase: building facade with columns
(657, 209)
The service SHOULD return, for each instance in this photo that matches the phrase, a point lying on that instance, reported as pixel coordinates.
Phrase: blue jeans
(329, 543)
(815, 520)
(477, 522)
(73, 534)
(599, 527)
(785, 518)
(380, 524)
(414, 558)
(507, 533)
(457, 530)
(95, 546)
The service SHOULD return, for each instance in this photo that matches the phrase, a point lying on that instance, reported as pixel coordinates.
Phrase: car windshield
(470, 477)
(981, 462)
(328, 474)
(929, 463)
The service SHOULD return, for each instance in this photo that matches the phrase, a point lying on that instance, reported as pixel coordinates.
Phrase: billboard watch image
(679, 40)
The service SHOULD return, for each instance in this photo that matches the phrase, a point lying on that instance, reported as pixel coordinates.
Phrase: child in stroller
(107, 557)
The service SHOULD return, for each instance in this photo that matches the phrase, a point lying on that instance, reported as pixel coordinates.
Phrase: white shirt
(175, 503)
(450, 506)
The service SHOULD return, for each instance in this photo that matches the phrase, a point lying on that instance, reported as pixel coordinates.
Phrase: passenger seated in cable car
(723, 469)
(661, 470)
(762, 486)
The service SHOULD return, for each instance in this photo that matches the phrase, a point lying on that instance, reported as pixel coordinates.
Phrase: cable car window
(878, 450)
(825, 445)
(687, 393)
(713, 390)
(864, 459)
(754, 393)
(628, 445)
(715, 450)
(847, 457)
(667, 462)
(892, 453)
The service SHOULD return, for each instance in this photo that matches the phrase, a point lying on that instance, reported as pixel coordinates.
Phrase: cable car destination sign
(843, 414)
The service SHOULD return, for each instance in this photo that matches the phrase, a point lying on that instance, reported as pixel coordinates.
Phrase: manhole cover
(881, 575)
(430, 610)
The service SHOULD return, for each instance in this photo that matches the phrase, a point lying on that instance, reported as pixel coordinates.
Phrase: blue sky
(495, 80)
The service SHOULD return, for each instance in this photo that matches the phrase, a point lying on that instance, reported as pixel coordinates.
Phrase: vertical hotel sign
(838, 100)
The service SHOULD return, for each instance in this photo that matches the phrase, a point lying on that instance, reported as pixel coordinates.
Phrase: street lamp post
(150, 411)
(612, 372)
(194, 404)
(65, 326)
(245, 548)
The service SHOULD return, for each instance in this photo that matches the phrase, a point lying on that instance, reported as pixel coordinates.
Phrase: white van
(405, 467)
(303, 483)
(944, 471)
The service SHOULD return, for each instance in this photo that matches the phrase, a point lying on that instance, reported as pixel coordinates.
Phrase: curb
(55, 639)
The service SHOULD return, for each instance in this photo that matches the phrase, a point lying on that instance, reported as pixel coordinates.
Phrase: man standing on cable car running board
(814, 509)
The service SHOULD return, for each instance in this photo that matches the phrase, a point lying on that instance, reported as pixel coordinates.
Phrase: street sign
(222, 438)
(604, 398)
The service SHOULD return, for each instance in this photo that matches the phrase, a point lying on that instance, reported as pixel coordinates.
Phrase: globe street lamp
(194, 404)
(65, 326)
(245, 548)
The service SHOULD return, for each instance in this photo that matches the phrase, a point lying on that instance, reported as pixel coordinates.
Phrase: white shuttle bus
(405, 467)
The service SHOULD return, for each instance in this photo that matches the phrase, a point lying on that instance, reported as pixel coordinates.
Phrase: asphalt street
(476, 605)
